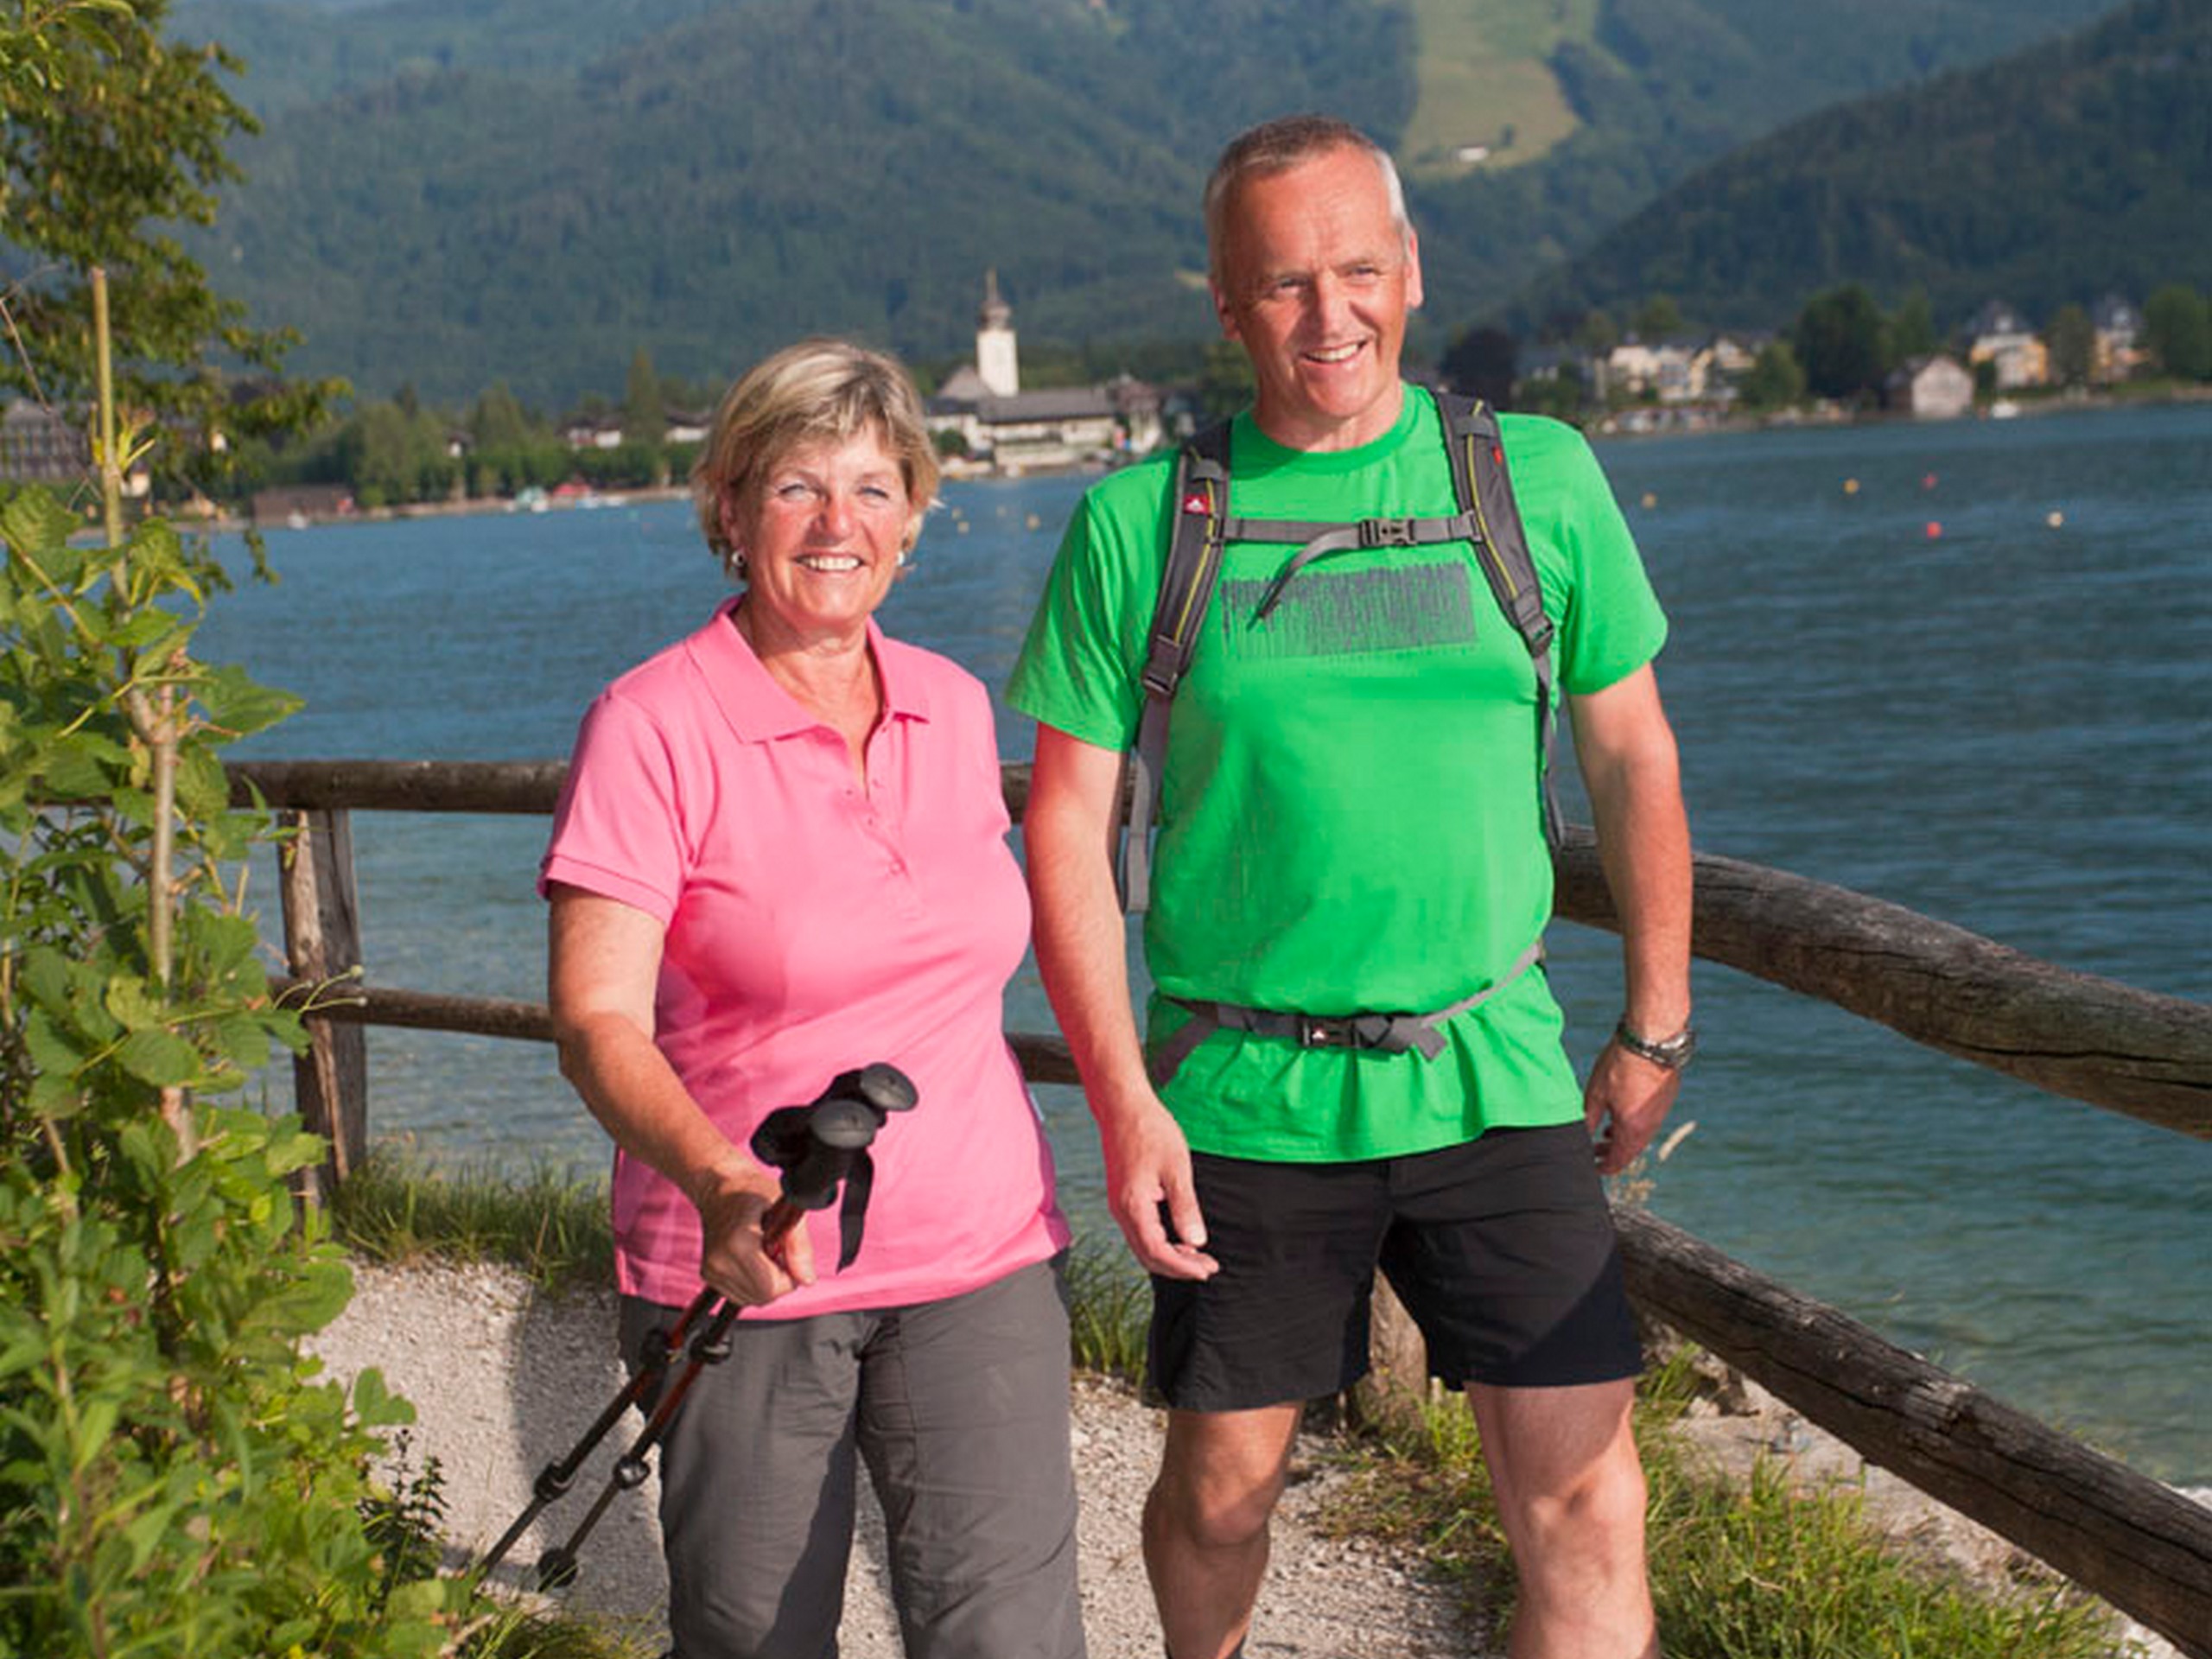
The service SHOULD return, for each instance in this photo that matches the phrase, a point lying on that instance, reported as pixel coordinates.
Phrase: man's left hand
(1625, 1102)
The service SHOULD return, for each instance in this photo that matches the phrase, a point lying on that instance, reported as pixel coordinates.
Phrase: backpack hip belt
(1387, 1033)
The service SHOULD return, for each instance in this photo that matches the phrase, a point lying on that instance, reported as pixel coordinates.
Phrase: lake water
(1964, 668)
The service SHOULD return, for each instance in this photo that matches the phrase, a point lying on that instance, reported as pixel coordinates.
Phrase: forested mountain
(451, 191)
(2066, 171)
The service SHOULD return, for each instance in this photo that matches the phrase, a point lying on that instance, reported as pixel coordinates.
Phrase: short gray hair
(1276, 146)
(818, 390)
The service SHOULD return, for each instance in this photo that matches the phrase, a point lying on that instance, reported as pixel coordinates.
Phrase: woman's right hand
(735, 1258)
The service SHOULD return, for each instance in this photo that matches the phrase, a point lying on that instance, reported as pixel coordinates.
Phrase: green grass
(1482, 76)
(1110, 1306)
(1762, 1569)
(553, 1227)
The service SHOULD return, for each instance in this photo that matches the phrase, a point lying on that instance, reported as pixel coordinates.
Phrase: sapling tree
(174, 1479)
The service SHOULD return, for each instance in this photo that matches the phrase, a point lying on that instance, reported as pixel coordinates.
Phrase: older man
(1351, 825)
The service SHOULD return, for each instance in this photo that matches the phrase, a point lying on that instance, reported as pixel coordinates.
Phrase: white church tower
(995, 360)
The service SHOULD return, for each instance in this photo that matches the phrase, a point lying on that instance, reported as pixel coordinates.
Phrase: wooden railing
(2139, 1545)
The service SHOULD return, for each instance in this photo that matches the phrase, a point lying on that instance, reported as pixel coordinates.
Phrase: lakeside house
(1685, 369)
(296, 505)
(1937, 388)
(1999, 336)
(605, 431)
(2118, 328)
(1007, 431)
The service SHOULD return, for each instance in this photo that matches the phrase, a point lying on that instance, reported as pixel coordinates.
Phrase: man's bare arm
(1629, 763)
(1074, 797)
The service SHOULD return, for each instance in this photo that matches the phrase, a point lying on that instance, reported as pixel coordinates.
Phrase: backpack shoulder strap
(1199, 509)
(1476, 447)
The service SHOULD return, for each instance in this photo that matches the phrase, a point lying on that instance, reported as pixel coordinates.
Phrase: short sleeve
(617, 827)
(1077, 670)
(1609, 622)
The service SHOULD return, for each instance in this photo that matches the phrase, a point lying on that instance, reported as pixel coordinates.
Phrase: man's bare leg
(1570, 1491)
(1205, 1523)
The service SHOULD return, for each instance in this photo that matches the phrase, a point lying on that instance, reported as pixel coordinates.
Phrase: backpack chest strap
(1319, 540)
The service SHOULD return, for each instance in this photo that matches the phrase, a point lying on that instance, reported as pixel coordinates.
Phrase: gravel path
(504, 1382)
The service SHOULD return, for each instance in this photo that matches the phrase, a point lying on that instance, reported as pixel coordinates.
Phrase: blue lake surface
(2006, 725)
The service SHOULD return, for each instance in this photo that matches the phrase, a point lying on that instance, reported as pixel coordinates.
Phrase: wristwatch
(1671, 1053)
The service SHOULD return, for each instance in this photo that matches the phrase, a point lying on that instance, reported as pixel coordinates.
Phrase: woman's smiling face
(823, 536)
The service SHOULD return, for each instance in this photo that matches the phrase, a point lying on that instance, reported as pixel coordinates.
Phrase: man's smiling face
(1317, 276)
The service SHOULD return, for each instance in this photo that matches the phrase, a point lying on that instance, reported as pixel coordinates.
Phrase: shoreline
(1666, 421)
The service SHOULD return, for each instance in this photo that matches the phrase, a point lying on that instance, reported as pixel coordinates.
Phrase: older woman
(781, 854)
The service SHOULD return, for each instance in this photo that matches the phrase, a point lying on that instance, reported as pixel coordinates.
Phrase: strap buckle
(1386, 532)
(1351, 1031)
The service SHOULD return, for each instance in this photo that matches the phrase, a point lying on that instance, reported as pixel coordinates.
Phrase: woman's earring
(738, 567)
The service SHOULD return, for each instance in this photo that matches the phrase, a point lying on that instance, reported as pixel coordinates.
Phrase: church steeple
(997, 360)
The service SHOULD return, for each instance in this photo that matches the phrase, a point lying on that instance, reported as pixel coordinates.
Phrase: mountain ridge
(479, 206)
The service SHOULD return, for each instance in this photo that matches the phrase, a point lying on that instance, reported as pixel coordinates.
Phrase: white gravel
(505, 1381)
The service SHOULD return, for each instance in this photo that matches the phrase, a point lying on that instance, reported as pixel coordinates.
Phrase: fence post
(322, 940)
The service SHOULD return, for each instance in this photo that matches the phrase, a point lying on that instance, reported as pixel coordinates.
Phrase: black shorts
(1502, 1250)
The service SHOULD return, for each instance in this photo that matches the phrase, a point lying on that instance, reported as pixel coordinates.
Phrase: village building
(589, 432)
(1929, 389)
(1999, 336)
(38, 446)
(294, 507)
(2118, 328)
(1687, 369)
(1013, 431)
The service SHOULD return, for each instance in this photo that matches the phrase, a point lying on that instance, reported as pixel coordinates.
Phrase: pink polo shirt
(812, 926)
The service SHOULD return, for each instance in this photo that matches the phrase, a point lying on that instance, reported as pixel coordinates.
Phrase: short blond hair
(818, 390)
(1277, 146)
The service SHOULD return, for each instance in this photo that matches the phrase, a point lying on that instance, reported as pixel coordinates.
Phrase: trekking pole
(556, 1477)
(816, 1146)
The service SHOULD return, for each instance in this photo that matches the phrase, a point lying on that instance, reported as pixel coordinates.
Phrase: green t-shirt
(1351, 819)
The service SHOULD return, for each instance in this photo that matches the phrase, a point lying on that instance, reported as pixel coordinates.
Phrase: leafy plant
(173, 1478)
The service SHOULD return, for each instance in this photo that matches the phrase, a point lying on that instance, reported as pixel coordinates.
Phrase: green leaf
(34, 522)
(159, 1058)
(45, 976)
(376, 1405)
(243, 1040)
(133, 1003)
(202, 790)
(238, 705)
(73, 769)
(51, 1053)
(56, 1094)
(294, 1151)
(153, 633)
(226, 943)
(94, 1424)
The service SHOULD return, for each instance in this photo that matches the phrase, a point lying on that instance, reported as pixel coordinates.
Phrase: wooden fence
(2135, 1542)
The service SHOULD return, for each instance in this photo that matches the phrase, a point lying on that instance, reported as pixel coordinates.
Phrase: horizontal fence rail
(2079, 1035)
(2140, 1546)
